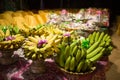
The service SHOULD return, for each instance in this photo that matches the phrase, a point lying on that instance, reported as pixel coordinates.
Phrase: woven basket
(78, 76)
(7, 58)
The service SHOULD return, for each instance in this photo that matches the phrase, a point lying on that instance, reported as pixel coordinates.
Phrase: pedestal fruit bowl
(10, 41)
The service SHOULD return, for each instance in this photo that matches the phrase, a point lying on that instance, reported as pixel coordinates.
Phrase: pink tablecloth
(20, 71)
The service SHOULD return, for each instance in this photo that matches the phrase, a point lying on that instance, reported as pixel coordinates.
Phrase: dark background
(113, 6)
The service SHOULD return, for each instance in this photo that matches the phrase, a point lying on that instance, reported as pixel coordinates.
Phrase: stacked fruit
(46, 29)
(10, 38)
(72, 56)
(99, 40)
(42, 46)
(81, 55)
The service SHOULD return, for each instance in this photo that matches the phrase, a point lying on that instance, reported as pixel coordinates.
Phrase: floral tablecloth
(20, 71)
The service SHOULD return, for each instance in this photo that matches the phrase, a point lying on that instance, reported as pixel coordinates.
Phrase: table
(20, 71)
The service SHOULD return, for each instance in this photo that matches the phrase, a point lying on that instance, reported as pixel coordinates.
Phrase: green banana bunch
(97, 56)
(94, 52)
(101, 39)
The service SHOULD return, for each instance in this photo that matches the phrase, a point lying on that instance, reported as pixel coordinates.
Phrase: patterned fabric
(20, 71)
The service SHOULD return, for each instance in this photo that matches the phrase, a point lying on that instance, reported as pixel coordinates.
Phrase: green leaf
(4, 29)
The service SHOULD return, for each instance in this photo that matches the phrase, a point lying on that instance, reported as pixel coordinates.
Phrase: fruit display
(83, 19)
(46, 30)
(98, 40)
(43, 43)
(25, 20)
(72, 57)
(80, 55)
(10, 38)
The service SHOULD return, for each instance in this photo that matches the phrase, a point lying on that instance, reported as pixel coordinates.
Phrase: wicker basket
(6, 58)
(78, 76)
(38, 66)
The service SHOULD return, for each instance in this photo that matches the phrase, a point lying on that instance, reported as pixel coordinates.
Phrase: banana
(5, 42)
(78, 56)
(39, 56)
(90, 36)
(84, 67)
(67, 51)
(108, 42)
(33, 39)
(29, 43)
(28, 54)
(89, 50)
(37, 37)
(62, 60)
(92, 40)
(93, 53)
(62, 48)
(34, 56)
(89, 65)
(102, 44)
(80, 65)
(97, 36)
(74, 51)
(73, 45)
(57, 41)
(47, 46)
(105, 36)
(7, 33)
(83, 53)
(101, 37)
(2, 33)
(52, 39)
(72, 64)
(17, 35)
(67, 63)
(110, 48)
(97, 56)
(31, 48)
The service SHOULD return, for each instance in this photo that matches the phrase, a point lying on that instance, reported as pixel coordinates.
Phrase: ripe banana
(7, 33)
(33, 39)
(34, 56)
